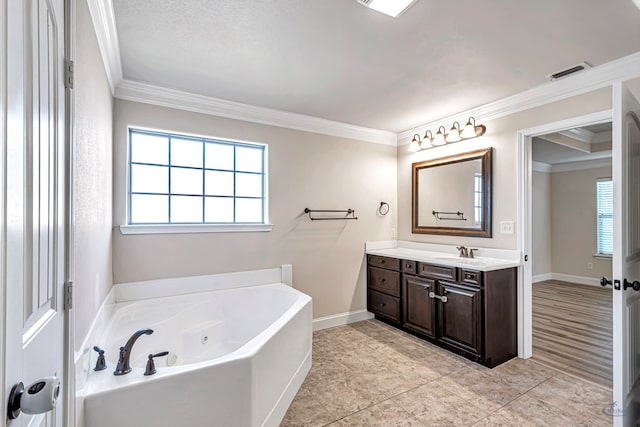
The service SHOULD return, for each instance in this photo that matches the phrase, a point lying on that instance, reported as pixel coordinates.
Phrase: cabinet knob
(383, 280)
(382, 304)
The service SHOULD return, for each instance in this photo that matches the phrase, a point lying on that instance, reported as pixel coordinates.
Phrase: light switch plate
(506, 227)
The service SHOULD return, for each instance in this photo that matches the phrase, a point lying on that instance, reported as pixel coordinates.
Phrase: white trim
(541, 277)
(157, 95)
(104, 23)
(581, 280)
(341, 319)
(194, 228)
(541, 167)
(524, 141)
(576, 166)
(625, 68)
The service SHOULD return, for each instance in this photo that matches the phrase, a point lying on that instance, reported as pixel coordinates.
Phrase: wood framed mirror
(452, 195)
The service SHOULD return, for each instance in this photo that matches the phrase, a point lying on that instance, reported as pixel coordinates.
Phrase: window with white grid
(181, 179)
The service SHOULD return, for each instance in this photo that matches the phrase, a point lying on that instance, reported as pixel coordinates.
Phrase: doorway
(572, 247)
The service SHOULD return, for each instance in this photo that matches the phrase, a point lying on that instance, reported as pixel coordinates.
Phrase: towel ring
(384, 208)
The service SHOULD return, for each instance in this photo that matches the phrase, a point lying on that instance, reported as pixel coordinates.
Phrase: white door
(34, 205)
(626, 258)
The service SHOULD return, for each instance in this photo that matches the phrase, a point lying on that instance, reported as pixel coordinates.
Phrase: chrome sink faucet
(123, 366)
(466, 252)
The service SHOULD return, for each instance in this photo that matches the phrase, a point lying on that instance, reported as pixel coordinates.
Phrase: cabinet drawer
(437, 271)
(470, 277)
(384, 305)
(409, 267)
(384, 281)
(384, 262)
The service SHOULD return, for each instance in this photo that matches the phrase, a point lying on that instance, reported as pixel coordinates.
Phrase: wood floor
(572, 329)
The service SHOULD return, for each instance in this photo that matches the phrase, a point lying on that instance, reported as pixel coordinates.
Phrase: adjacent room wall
(92, 176)
(305, 170)
(541, 223)
(574, 222)
(502, 136)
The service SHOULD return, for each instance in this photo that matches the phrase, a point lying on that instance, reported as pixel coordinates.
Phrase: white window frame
(477, 198)
(598, 253)
(173, 228)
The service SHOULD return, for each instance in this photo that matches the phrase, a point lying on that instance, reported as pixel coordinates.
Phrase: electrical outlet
(393, 233)
(506, 227)
(589, 266)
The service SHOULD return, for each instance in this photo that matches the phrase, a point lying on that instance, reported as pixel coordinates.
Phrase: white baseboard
(341, 319)
(541, 277)
(591, 281)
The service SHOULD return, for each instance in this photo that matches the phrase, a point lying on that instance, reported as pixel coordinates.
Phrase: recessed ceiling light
(392, 8)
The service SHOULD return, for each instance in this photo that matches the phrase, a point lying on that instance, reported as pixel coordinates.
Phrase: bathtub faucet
(123, 366)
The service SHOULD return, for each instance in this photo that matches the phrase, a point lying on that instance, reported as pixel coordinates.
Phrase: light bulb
(439, 138)
(454, 133)
(469, 130)
(426, 140)
(415, 143)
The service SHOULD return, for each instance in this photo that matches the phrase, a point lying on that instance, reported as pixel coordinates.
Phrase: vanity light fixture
(415, 145)
(439, 138)
(455, 134)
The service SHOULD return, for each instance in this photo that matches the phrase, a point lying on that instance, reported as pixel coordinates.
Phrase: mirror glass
(452, 195)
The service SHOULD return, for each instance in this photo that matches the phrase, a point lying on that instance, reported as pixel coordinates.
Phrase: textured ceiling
(338, 60)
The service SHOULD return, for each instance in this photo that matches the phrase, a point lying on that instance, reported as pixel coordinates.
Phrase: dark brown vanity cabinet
(460, 318)
(418, 305)
(383, 288)
(469, 312)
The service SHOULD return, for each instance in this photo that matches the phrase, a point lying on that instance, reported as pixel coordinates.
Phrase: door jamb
(525, 136)
(69, 410)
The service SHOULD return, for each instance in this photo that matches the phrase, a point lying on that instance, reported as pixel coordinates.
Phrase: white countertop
(479, 263)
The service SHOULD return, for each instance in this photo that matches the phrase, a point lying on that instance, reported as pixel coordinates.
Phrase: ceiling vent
(568, 71)
(392, 8)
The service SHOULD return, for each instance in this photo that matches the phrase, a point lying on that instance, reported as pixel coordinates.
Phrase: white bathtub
(237, 357)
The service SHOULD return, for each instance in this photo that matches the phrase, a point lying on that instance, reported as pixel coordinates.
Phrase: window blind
(605, 216)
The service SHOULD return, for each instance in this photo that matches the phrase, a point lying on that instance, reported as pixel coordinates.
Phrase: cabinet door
(460, 317)
(419, 308)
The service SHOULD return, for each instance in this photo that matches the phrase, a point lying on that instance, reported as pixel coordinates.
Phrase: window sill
(603, 256)
(194, 228)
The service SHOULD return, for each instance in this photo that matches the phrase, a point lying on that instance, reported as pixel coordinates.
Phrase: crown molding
(104, 23)
(621, 69)
(587, 164)
(541, 167)
(157, 95)
(579, 134)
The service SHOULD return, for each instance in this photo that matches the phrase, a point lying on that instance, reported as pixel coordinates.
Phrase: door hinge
(68, 74)
(68, 295)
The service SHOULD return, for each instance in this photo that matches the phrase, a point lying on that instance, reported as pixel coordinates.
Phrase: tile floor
(369, 374)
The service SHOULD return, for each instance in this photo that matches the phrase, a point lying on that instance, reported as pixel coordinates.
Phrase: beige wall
(541, 223)
(573, 223)
(502, 135)
(92, 176)
(305, 170)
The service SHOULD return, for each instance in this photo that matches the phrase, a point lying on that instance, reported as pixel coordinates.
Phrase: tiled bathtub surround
(369, 374)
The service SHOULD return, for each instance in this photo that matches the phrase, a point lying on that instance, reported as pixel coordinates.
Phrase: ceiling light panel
(392, 8)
